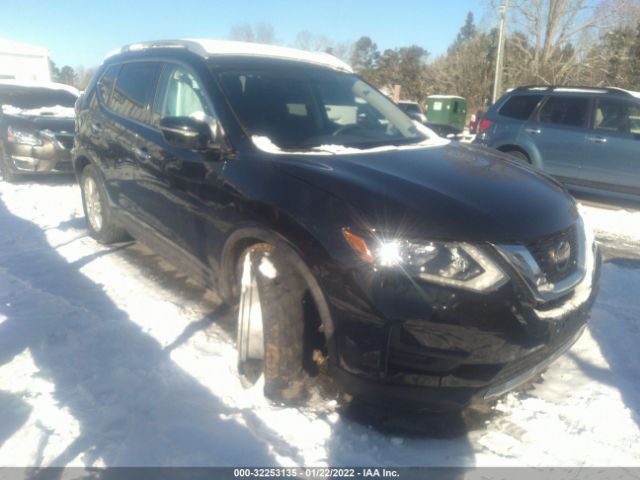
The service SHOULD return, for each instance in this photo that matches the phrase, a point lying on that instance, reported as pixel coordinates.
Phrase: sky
(83, 32)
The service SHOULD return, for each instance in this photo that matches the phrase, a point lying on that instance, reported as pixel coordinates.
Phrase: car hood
(449, 192)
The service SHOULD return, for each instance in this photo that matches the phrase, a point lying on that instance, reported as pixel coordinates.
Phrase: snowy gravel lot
(110, 357)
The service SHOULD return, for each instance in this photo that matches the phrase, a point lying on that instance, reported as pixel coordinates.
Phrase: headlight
(448, 263)
(22, 137)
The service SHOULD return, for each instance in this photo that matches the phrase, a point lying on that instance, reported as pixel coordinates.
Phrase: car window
(570, 111)
(307, 108)
(520, 107)
(105, 84)
(409, 107)
(634, 120)
(181, 94)
(134, 90)
(612, 115)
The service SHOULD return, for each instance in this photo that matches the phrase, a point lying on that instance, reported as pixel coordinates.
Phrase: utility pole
(497, 79)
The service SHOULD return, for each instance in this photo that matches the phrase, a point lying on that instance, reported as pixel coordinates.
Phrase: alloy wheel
(92, 203)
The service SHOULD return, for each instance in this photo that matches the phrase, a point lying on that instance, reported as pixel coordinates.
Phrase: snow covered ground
(110, 357)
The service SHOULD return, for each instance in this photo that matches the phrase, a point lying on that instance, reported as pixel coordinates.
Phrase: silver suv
(586, 137)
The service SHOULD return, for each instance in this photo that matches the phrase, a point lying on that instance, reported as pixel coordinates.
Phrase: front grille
(545, 252)
(66, 140)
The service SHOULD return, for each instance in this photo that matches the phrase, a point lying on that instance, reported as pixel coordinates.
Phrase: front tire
(270, 331)
(96, 207)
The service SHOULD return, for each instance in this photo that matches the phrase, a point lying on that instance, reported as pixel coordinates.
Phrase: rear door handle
(96, 127)
(534, 131)
(142, 154)
(597, 138)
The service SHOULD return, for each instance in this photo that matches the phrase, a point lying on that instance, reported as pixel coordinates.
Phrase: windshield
(306, 108)
(410, 107)
(28, 98)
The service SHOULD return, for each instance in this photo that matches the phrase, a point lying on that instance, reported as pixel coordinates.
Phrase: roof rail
(192, 46)
(569, 88)
(207, 48)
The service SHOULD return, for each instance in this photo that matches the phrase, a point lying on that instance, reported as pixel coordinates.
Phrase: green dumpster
(447, 110)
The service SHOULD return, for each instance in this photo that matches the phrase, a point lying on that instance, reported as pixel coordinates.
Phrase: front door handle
(597, 138)
(534, 131)
(142, 154)
(96, 127)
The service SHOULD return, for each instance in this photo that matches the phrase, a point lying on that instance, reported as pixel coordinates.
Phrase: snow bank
(617, 228)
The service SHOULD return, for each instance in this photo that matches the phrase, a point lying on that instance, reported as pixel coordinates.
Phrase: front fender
(247, 235)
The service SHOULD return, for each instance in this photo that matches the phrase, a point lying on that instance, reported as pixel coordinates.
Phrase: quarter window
(612, 115)
(134, 90)
(569, 111)
(520, 107)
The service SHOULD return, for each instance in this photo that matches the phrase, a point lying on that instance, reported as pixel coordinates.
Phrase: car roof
(210, 48)
(444, 97)
(574, 89)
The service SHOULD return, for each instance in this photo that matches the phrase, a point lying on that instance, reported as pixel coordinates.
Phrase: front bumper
(48, 158)
(432, 348)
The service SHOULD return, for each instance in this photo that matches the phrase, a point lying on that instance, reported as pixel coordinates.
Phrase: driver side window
(180, 95)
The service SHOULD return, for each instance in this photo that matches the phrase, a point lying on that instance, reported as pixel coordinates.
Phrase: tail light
(484, 124)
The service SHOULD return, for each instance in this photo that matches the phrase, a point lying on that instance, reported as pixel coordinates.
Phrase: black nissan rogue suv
(425, 272)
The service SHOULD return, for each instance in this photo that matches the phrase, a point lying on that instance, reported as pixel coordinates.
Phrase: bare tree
(258, 33)
(306, 40)
(466, 70)
(313, 42)
(555, 33)
(83, 76)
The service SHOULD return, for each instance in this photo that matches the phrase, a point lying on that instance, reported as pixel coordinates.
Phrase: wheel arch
(243, 238)
(530, 151)
(511, 148)
(79, 164)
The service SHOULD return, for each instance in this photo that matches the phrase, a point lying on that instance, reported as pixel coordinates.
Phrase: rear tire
(96, 207)
(270, 328)
(519, 156)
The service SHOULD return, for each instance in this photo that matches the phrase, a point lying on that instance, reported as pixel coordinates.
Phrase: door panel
(559, 134)
(181, 184)
(614, 155)
(128, 124)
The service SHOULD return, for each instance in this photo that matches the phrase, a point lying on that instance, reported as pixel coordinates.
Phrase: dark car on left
(37, 123)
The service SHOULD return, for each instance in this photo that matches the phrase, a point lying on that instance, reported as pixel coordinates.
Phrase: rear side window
(134, 90)
(520, 107)
(105, 84)
(611, 115)
(569, 111)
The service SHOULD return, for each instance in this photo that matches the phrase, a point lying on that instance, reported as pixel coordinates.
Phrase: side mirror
(189, 132)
